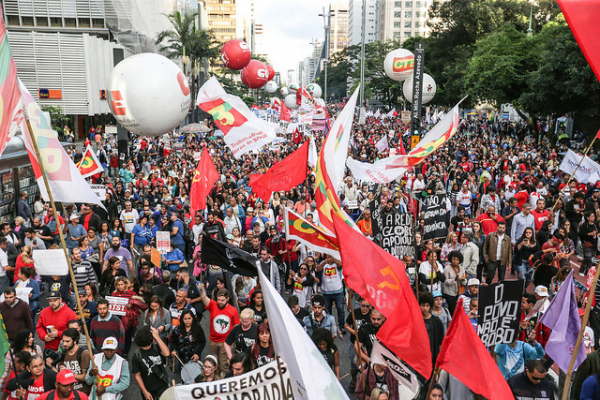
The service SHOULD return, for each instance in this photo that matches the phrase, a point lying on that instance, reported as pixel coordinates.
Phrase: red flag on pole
(475, 368)
(284, 114)
(582, 17)
(385, 284)
(205, 176)
(284, 175)
(598, 135)
(401, 149)
(297, 137)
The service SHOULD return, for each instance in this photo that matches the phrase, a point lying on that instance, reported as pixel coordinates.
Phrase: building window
(407, 14)
(418, 4)
(407, 35)
(41, 21)
(408, 24)
(398, 4)
(408, 4)
(397, 14)
(56, 22)
(12, 19)
(417, 14)
(97, 23)
(27, 21)
(84, 23)
(417, 24)
(396, 24)
(70, 22)
(396, 35)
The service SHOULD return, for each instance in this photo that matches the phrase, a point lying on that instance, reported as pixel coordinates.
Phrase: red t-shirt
(540, 218)
(36, 389)
(221, 321)
(82, 395)
(521, 198)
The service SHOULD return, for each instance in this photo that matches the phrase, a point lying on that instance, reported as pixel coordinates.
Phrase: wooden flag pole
(586, 316)
(61, 236)
(573, 174)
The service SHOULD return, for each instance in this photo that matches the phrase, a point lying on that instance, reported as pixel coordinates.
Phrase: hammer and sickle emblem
(388, 271)
(197, 177)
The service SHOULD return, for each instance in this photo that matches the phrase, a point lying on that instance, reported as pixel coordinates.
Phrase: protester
(112, 369)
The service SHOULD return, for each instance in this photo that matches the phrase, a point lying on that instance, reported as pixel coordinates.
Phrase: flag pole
(358, 356)
(573, 174)
(61, 236)
(586, 316)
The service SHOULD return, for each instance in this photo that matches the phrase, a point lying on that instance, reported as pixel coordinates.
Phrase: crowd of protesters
(510, 216)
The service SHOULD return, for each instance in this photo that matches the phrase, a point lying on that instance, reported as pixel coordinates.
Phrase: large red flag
(284, 114)
(381, 278)
(205, 176)
(582, 17)
(297, 136)
(401, 149)
(284, 175)
(465, 356)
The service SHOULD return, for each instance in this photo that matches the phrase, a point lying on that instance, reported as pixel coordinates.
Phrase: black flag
(228, 257)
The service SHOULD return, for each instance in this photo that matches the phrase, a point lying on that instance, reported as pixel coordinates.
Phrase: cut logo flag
(89, 164)
(385, 284)
(308, 233)
(475, 367)
(582, 17)
(381, 355)
(311, 377)
(11, 106)
(289, 172)
(562, 316)
(242, 130)
(205, 176)
(585, 171)
(332, 164)
(378, 172)
(66, 183)
(297, 136)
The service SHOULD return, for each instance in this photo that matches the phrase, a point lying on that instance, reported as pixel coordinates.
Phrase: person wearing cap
(53, 321)
(315, 214)
(593, 203)
(470, 293)
(439, 310)
(513, 357)
(113, 371)
(89, 308)
(74, 232)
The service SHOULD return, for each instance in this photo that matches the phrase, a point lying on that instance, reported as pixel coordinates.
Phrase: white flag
(381, 171)
(391, 113)
(585, 170)
(311, 377)
(313, 157)
(382, 144)
(377, 113)
(381, 355)
(242, 130)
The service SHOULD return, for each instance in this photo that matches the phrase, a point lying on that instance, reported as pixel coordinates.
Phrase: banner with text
(397, 235)
(499, 312)
(435, 217)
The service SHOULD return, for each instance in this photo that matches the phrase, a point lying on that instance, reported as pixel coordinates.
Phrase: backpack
(52, 393)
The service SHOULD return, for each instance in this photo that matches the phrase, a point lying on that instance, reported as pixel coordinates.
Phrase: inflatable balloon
(399, 64)
(429, 89)
(315, 90)
(293, 87)
(271, 72)
(284, 91)
(236, 54)
(255, 74)
(148, 94)
(290, 101)
(271, 87)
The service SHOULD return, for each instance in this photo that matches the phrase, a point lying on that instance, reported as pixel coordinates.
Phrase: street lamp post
(529, 30)
(327, 23)
(362, 54)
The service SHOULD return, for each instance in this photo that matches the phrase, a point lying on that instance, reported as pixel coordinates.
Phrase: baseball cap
(74, 216)
(581, 312)
(437, 293)
(473, 282)
(82, 292)
(55, 294)
(66, 377)
(110, 343)
(541, 291)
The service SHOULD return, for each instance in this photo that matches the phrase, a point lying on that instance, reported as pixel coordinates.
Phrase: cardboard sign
(435, 217)
(397, 235)
(499, 312)
(117, 305)
(155, 257)
(50, 262)
(163, 242)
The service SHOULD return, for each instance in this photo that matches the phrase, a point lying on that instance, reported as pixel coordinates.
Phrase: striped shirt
(84, 273)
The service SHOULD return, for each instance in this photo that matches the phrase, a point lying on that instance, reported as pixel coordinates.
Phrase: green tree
(58, 118)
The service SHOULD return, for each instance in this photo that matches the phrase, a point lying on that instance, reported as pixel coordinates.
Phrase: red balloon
(271, 72)
(236, 54)
(255, 75)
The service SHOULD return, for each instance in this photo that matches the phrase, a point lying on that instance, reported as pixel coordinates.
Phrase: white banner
(263, 383)
(585, 170)
(382, 144)
(380, 171)
(163, 242)
(50, 262)
(381, 355)
(100, 191)
(117, 305)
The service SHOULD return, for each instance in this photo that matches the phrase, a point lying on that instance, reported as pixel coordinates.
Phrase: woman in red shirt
(24, 260)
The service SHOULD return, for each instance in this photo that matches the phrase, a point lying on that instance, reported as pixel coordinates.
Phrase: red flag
(205, 176)
(297, 137)
(284, 114)
(474, 367)
(385, 284)
(582, 17)
(401, 149)
(284, 175)
(598, 135)
(11, 107)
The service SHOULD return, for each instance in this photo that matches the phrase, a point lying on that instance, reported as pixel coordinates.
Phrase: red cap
(581, 312)
(65, 377)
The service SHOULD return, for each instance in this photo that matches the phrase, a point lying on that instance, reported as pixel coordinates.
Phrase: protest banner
(100, 191)
(499, 312)
(50, 262)
(163, 242)
(435, 217)
(263, 383)
(375, 208)
(381, 355)
(117, 305)
(155, 257)
(397, 235)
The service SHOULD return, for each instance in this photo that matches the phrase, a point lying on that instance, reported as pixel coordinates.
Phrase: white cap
(110, 343)
(473, 282)
(541, 291)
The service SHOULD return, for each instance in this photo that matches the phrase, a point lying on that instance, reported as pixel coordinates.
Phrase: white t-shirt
(332, 278)
(3, 262)
(129, 219)
(464, 199)
(499, 248)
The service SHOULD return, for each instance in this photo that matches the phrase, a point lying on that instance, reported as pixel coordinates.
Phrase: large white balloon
(293, 87)
(429, 89)
(148, 94)
(315, 90)
(284, 91)
(399, 64)
(290, 101)
(270, 87)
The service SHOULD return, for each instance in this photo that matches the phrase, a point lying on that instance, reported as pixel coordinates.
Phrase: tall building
(338, 34)
(355, 22)
(222, 18)
(400, 20)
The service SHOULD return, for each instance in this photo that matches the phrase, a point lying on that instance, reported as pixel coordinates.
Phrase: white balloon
(270, 87)
(429, 89)
(399, 64)
(290, 101)
(284, 91)
(148, 94)
(315, 90)
(293, 87)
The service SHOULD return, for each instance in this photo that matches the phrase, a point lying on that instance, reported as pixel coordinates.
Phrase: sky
(289, 27)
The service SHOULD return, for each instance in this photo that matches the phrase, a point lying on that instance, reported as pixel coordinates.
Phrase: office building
(400, 20)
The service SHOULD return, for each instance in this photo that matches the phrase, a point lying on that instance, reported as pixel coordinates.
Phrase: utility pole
(362, 53)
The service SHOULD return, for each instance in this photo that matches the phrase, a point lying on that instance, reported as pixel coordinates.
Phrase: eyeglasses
(208, 367)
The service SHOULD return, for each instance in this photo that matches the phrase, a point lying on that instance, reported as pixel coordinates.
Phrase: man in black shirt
(164, 290)
(435, 328)
(148, 363)
(42, 231)
(242, 336)
(532, 383)
(299, 312)
(362, 315)
(366, 335)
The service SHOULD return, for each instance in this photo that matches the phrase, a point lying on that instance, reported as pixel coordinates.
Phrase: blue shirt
(74, 231)
(175, 255)
(178, 238)
(142, 236)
